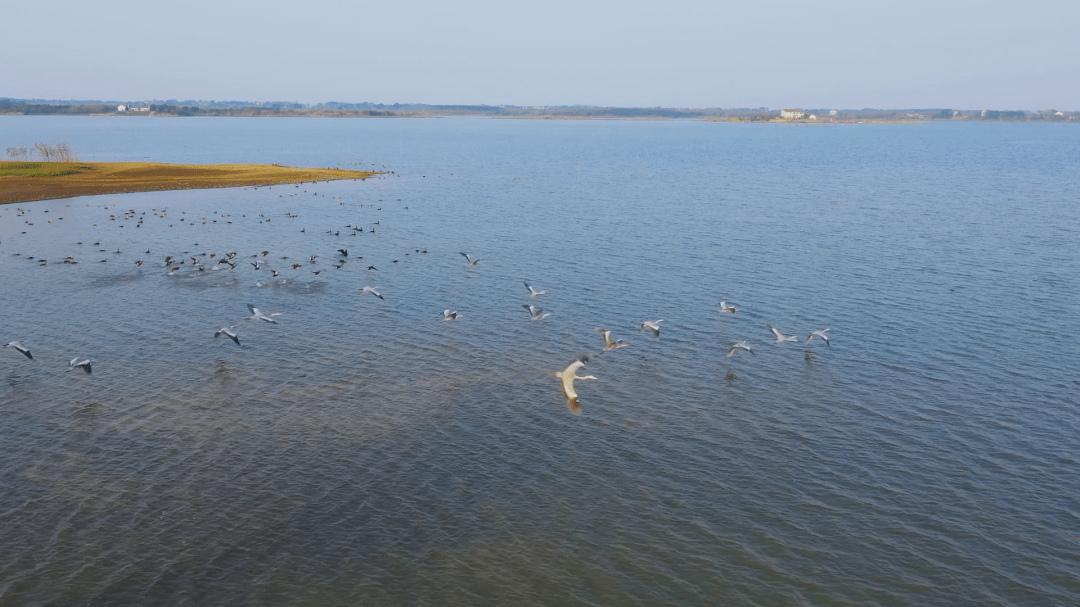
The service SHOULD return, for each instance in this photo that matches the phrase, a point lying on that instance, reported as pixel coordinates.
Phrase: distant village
(173, 107)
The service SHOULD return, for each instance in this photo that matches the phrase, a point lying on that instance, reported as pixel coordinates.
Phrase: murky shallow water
(364, 451)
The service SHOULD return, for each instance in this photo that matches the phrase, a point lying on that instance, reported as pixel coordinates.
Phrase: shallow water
(364, 451)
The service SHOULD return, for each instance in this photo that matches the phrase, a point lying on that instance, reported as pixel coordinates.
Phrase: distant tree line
(10, 106)
(182, 110)
(340, 109)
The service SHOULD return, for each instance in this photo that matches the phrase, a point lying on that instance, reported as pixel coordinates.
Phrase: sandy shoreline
(91, 178)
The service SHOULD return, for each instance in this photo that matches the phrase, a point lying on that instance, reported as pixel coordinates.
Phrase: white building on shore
(791, 114)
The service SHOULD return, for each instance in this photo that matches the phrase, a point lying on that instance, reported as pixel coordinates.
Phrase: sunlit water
(364, 451)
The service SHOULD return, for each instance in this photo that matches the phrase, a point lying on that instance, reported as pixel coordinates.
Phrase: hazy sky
(843, 54)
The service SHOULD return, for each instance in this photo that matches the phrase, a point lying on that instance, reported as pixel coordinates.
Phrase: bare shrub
(17, 153)
(61, 152)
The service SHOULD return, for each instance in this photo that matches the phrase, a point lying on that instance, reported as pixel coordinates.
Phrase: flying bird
(373, 290)
(780, 337)
(76, 364)
(472, 262)
(228, 332)
(742, 345)
(25, 352)
(536, 313)
(568, 375)
(820, 334)
(344, 252)
(608, 343)
(728, 309)
(652, 324)
(448, 315)
(256, 314)
(533, 292)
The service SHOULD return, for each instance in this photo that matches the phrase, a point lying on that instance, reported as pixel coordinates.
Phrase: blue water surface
(363, 451)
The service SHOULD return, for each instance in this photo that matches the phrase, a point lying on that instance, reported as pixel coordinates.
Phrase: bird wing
(607, 337)
(776, 332)
(572, 368)
(568, 386)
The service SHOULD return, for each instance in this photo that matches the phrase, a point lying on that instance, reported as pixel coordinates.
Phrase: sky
(681, 53)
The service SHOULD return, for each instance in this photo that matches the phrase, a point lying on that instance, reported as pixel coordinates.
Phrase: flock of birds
(198, 263)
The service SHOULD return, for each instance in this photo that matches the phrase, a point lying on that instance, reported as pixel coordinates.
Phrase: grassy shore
(27, 181)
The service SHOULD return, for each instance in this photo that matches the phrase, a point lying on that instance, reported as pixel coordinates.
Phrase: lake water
(363, 451)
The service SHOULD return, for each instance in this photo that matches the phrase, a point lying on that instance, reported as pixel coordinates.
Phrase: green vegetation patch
(40, 169)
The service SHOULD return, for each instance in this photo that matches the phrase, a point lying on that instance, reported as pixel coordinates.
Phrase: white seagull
(228, 332)
(257, 314)
(76, 363)
(726, 308)
(472, 262)
(20, 348)
(568, 375)
(742, 345)
(448, 315)
(820, 334)
(373, 290)
(533, 292)
(652, 324)
(536, 313)
(780, 337)
(608, 343)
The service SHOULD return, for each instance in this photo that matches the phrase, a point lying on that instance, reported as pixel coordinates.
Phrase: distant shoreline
(30, 181)
(14, 107)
